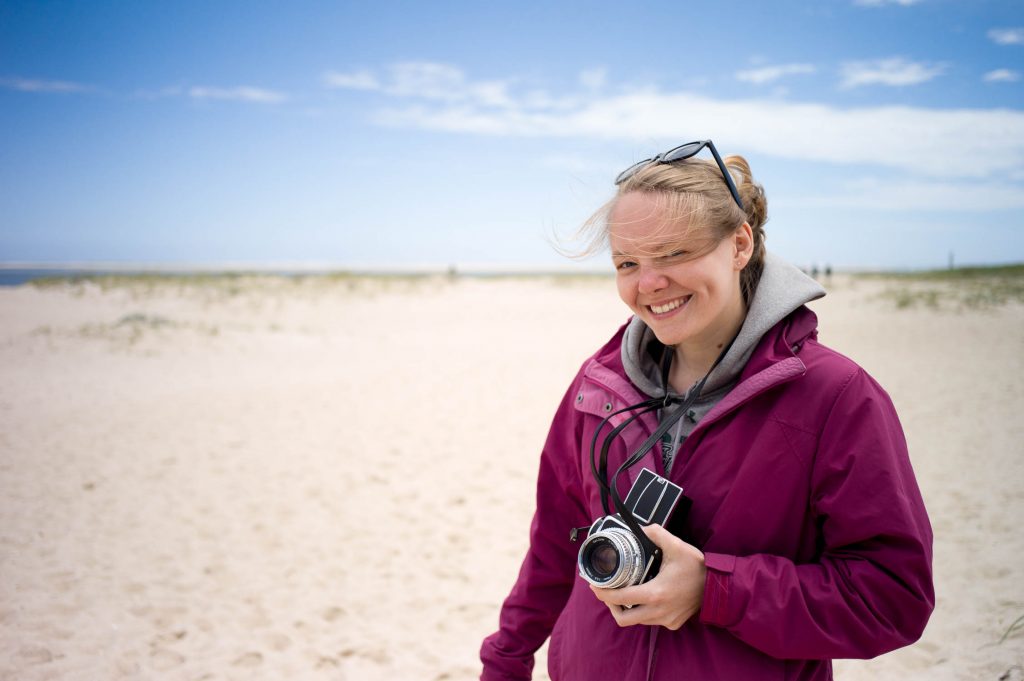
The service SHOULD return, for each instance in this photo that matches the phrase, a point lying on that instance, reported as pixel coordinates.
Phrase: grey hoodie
(782, 289)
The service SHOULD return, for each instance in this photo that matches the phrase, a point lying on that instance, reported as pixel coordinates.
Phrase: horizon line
(294, 267)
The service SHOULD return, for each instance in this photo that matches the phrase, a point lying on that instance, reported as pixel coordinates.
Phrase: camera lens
(604, 559)
(612, 558)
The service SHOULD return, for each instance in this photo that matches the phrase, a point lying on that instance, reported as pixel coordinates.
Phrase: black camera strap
(647, 406)
(668, 420)
(600, 472)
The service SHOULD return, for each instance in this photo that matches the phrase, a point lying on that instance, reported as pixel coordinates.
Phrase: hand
(672, 597)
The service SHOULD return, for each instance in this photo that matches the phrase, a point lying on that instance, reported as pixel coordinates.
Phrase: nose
(651, 280)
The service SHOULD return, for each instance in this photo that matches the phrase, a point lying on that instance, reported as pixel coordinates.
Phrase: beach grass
(233, 283)
(963, 288)
(1018, 625)
(959, 288)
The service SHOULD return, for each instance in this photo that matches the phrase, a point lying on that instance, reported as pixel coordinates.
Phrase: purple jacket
(804, 502)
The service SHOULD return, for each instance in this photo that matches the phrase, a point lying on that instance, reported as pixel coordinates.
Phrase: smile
(670, 305)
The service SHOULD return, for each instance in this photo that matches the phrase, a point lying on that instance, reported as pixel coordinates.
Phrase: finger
(623, 616)
(661, 537)
(622, 596)
(611, 597)
(626, 597)
(670, 544)
(628, 617)
(602, 594)
(617, 614)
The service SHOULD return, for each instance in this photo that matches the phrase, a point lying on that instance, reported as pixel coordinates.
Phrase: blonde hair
(692, 194)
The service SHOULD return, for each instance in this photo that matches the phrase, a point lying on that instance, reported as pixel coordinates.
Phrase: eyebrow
(658, 250)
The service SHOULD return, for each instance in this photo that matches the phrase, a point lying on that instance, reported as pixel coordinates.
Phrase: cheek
(718, 280)
(627, 292)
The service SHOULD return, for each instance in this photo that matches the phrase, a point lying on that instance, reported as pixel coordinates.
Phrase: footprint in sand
(333, 613)
(128, 667)
(277, 641)
(168, 637)
(375, 655)
(35, 655)
(162, 660)
(250, 659)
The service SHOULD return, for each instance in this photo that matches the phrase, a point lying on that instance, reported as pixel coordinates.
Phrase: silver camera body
(613, 556)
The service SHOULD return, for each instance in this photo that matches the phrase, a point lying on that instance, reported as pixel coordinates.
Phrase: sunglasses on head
(684, 151)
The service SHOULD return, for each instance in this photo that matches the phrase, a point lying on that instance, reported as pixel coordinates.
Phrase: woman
(807, 538)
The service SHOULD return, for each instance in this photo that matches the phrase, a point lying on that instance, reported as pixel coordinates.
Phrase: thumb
(670, 544)
(659, 535)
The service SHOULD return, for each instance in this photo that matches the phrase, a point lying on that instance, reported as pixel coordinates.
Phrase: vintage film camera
(613, 556)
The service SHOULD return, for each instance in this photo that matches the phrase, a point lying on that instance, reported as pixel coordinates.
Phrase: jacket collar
(774, 361)
(779, 346)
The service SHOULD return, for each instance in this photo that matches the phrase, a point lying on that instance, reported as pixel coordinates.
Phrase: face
(681, 283)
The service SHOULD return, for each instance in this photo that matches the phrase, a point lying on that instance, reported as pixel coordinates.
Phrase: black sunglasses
(684, 151)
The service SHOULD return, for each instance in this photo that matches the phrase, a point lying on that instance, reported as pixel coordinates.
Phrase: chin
(667, 336)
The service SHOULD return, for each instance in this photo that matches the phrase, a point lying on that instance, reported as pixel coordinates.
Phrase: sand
(332, 478)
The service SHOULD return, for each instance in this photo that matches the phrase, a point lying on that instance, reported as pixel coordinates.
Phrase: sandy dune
(263, 478)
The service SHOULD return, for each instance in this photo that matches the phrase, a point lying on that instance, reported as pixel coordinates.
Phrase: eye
(624, 265)
(677, 254)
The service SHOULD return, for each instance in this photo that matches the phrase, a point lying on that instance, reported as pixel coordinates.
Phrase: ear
(743, 245)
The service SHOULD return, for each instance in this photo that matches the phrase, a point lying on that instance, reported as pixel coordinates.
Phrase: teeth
(669, 306)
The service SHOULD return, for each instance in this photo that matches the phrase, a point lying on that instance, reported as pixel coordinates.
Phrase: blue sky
(887, 133)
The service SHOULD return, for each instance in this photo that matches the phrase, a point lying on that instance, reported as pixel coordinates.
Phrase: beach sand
(333, 478)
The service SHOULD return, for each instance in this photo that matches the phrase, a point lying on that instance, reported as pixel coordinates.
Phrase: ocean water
(17, 277)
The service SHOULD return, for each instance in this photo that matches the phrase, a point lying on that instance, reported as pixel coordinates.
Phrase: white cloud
(894, 72)
(914, 195)
(241, 93)
(767, 74)
(1002, 76)
(912, 139)
(31, 85)
(901, 137)
(594, 79)
(882, 3)
(541, 100)
(425, 80)
(360, 80)
(1007, 36)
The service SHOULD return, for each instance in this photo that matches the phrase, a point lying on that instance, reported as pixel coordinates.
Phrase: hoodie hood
(782, 289)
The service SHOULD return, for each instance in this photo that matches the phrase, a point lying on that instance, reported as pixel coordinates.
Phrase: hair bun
(755, 203)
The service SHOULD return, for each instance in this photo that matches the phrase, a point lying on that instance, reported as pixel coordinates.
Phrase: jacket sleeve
(870, 589)
(548, 571)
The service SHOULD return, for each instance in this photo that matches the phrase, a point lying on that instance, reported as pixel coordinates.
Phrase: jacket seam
(794, 426)
(828, 417)
(839, 393)
(783, 426)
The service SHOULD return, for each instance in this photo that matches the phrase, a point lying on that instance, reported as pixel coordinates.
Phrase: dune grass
(221, 285)
(1018, 625)
(964, 288)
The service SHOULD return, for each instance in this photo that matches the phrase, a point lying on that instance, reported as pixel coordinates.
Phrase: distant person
(828, 274)
(814, 271)
(801, 535)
